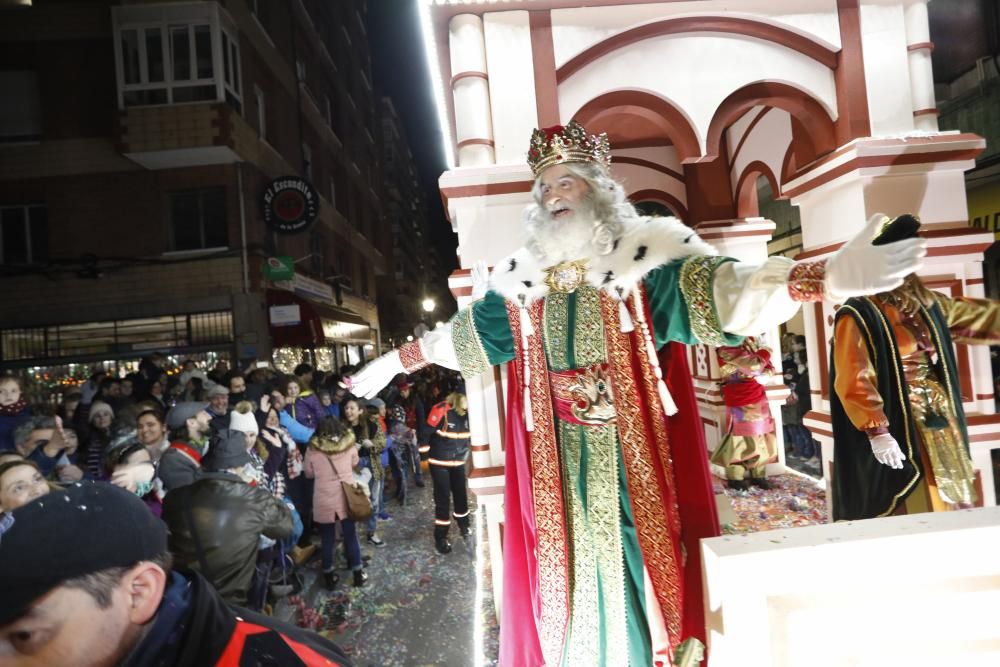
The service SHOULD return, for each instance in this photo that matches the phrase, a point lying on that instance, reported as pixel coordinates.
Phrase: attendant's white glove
(860, 268)
(377, 374)
(887, 451)
(480, 280)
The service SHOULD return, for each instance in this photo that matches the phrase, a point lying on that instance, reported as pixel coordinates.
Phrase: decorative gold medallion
(595, 404)
(565, 277)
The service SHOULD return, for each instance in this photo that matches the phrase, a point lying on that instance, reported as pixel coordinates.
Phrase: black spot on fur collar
(608, 277)
(527, 283)
(688, 239)
(640, 253)
(513, 264)
(614, 246)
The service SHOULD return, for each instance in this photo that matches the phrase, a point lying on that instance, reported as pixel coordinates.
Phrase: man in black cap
(215, 523)
(188, 424)
(87, 582)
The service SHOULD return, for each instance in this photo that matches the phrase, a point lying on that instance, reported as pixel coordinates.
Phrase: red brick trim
(747, 132)
(648, 164)
(468, 75)
(930, 111)
(739, 26)
(746, 188)
(853, 118)
(869, 161)
(814, 118)
(544, 60)
(669, 119)
(921, 45)
(475, 142)
(486, 472)
(665, 198)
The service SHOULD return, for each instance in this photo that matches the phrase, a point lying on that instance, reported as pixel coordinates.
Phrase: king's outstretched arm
(717, 300)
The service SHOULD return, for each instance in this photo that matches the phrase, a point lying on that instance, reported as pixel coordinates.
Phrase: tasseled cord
(669, 407)
(526, 331)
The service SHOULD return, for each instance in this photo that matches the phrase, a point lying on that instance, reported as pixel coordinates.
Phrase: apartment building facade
(188, 176)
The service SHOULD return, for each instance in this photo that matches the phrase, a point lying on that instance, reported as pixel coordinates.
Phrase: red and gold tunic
(749, 443)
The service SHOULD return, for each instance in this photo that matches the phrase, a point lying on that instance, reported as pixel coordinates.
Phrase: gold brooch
(566, 276)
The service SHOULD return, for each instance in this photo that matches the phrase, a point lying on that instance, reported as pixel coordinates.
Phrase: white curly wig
(610, 205)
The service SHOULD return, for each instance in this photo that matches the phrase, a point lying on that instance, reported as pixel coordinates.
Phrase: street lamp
(409, 339)
(428, 305)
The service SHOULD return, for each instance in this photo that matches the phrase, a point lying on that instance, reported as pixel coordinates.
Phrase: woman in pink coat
(330, 460)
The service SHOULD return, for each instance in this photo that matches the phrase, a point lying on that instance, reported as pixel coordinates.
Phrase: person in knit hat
(97, 438)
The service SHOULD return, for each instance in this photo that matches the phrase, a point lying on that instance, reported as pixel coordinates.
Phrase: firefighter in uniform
(449, 449)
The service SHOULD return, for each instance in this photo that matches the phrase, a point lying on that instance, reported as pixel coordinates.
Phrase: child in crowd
(14, 410)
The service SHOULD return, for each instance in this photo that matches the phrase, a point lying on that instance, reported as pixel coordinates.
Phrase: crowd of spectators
(244, 469)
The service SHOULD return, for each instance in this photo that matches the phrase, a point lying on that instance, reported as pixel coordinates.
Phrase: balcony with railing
(179, 90)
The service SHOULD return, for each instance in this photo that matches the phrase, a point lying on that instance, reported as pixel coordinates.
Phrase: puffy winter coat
(329, 468)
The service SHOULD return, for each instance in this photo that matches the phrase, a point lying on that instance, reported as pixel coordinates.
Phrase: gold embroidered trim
(696, 278)
(805, 281)
(472, 358)
(583, 643)
(411, 355)
(555, 316)
(655, 534)
(588, 336)
(604, 515)
(550, 518)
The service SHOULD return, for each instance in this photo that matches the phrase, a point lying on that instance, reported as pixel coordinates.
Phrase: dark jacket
(449, 434)
(229, 516)
(195, 626)
(9, 422)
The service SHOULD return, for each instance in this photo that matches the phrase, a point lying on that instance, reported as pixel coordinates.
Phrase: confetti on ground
(417, 607)
(794, 501)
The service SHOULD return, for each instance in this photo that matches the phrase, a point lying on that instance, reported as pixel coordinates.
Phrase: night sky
(400, 72)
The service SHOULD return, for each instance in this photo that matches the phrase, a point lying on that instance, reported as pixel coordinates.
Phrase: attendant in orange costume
(896, 396)
(749, 444)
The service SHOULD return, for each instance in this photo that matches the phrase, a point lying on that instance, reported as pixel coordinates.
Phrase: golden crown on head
(569, 143)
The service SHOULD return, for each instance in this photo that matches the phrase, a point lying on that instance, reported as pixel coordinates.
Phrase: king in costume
(607, 484)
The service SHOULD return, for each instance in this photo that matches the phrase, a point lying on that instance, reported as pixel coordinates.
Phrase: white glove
(480, 280)
(887, 451)
(377, 374)
(860, 268)
(763, 379)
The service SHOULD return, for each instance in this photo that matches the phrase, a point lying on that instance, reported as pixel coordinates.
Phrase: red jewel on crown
(571, 143)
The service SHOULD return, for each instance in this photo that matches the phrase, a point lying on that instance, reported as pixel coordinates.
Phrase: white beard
(564, 239)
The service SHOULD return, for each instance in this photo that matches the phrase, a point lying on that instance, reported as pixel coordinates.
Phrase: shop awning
(295, 321)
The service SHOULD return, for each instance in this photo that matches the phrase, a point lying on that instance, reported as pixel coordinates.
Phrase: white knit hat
(244, 422)
(100, 407)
